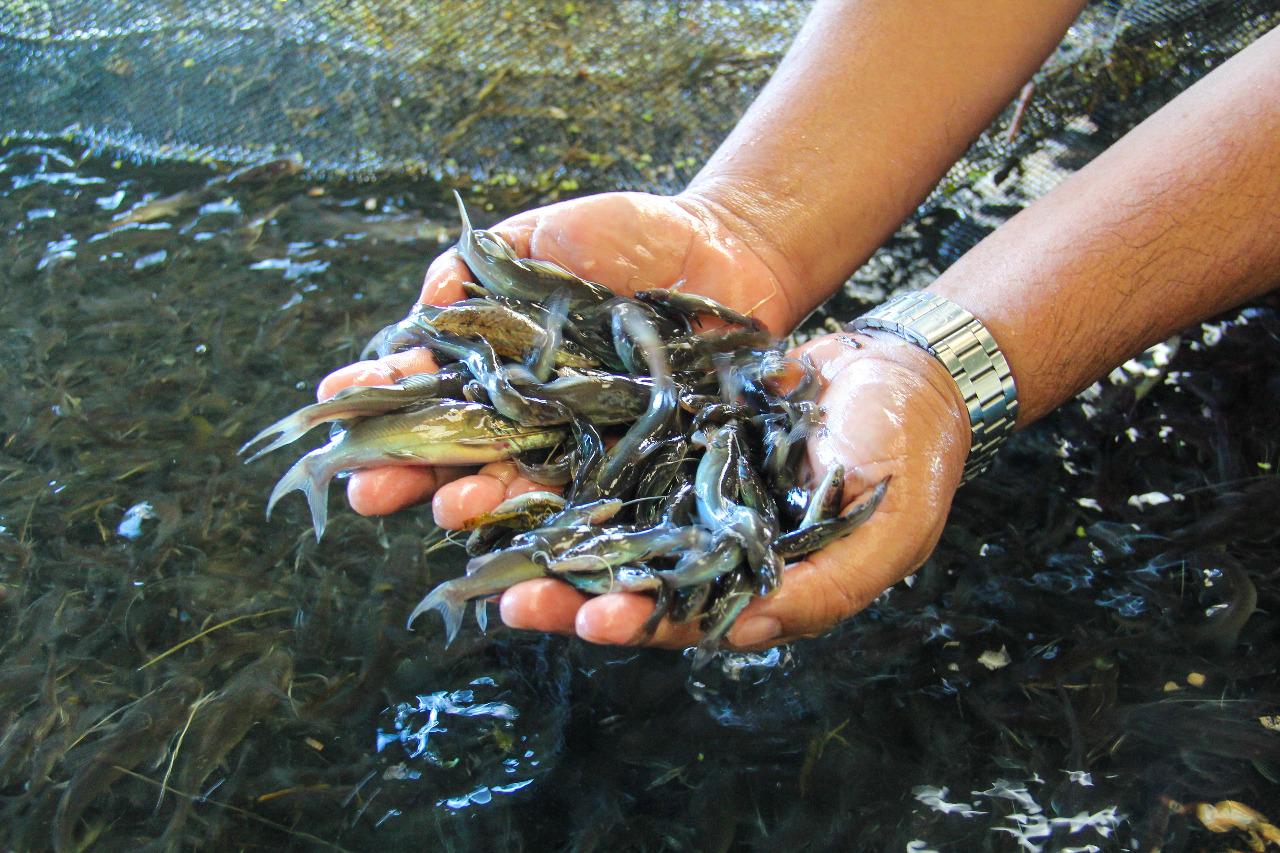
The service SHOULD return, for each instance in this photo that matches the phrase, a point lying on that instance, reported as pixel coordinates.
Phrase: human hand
(891, 410)
(625, 241)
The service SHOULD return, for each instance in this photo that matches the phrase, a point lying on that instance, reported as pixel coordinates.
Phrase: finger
(544, 604)
(846, 576)
(615, 619)
(672, 636)
(443, 282)
(382, 371)
(504, 471)
(382, 491)
(522, 486)
(458, 502)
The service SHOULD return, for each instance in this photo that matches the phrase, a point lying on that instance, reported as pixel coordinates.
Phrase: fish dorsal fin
(462, 214)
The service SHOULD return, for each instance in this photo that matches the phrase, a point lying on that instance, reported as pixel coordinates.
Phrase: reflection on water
(1091, 651)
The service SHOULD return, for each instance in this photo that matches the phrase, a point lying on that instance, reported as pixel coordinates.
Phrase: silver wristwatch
(965, 347)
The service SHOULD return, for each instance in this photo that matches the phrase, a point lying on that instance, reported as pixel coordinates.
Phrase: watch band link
(968, 352)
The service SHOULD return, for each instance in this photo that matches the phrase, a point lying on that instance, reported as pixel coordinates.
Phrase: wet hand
(890, 411)
(625, 241)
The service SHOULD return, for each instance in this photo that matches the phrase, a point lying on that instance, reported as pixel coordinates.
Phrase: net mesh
(548, 96)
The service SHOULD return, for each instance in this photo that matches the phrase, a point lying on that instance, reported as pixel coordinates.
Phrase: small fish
(593, 512)
(620, 467)
(726, 610)
(784, 442)
(613, 547)
(541, 357)
(219, 725)
(702, 567)
(697, 351)
(656, 481)
(141, 735)
(807, 539)
(514, 333)
(826, 499)
(360, 401)
(446, 433)
(478, 357)
(602, 398)
(522, 512)
(620, 579)
(694, 305)
(172, 205)
(716, 484)
(501, 271)
(493, 574)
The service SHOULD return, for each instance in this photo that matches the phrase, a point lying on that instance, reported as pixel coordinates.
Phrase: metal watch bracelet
(968, 352)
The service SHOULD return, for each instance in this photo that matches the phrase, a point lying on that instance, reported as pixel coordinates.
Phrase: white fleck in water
(130, 527)
(1101, 822)
(1007, 790)
(994, 659)
(58, 250)
(110, 202)
(226, 205)
(936, 799)
(292, 269)
(150, 260)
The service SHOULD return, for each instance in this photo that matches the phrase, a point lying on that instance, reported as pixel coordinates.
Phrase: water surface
(1091, 648)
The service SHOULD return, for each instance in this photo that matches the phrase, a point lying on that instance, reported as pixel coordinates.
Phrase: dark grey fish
(807, 539)
(501, 271)
(359, 401)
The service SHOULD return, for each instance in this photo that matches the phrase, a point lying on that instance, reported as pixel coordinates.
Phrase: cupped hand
(625, 241)
(891, 410)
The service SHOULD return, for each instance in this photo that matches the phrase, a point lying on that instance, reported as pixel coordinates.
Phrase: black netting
(549, 95)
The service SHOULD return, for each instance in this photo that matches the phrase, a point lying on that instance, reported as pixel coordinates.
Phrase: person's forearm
(1177, 221)
(872, 104)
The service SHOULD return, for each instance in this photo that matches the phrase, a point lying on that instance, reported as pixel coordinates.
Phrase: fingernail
(757, 629)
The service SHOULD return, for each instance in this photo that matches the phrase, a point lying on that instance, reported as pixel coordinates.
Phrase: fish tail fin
(448, 601)
(703, 654)
(286, 430)
(310, 475)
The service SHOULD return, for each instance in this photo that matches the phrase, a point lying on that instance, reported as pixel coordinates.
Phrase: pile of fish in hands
(696, 503)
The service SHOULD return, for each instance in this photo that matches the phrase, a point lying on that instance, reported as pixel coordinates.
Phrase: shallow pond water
(1091, 650)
